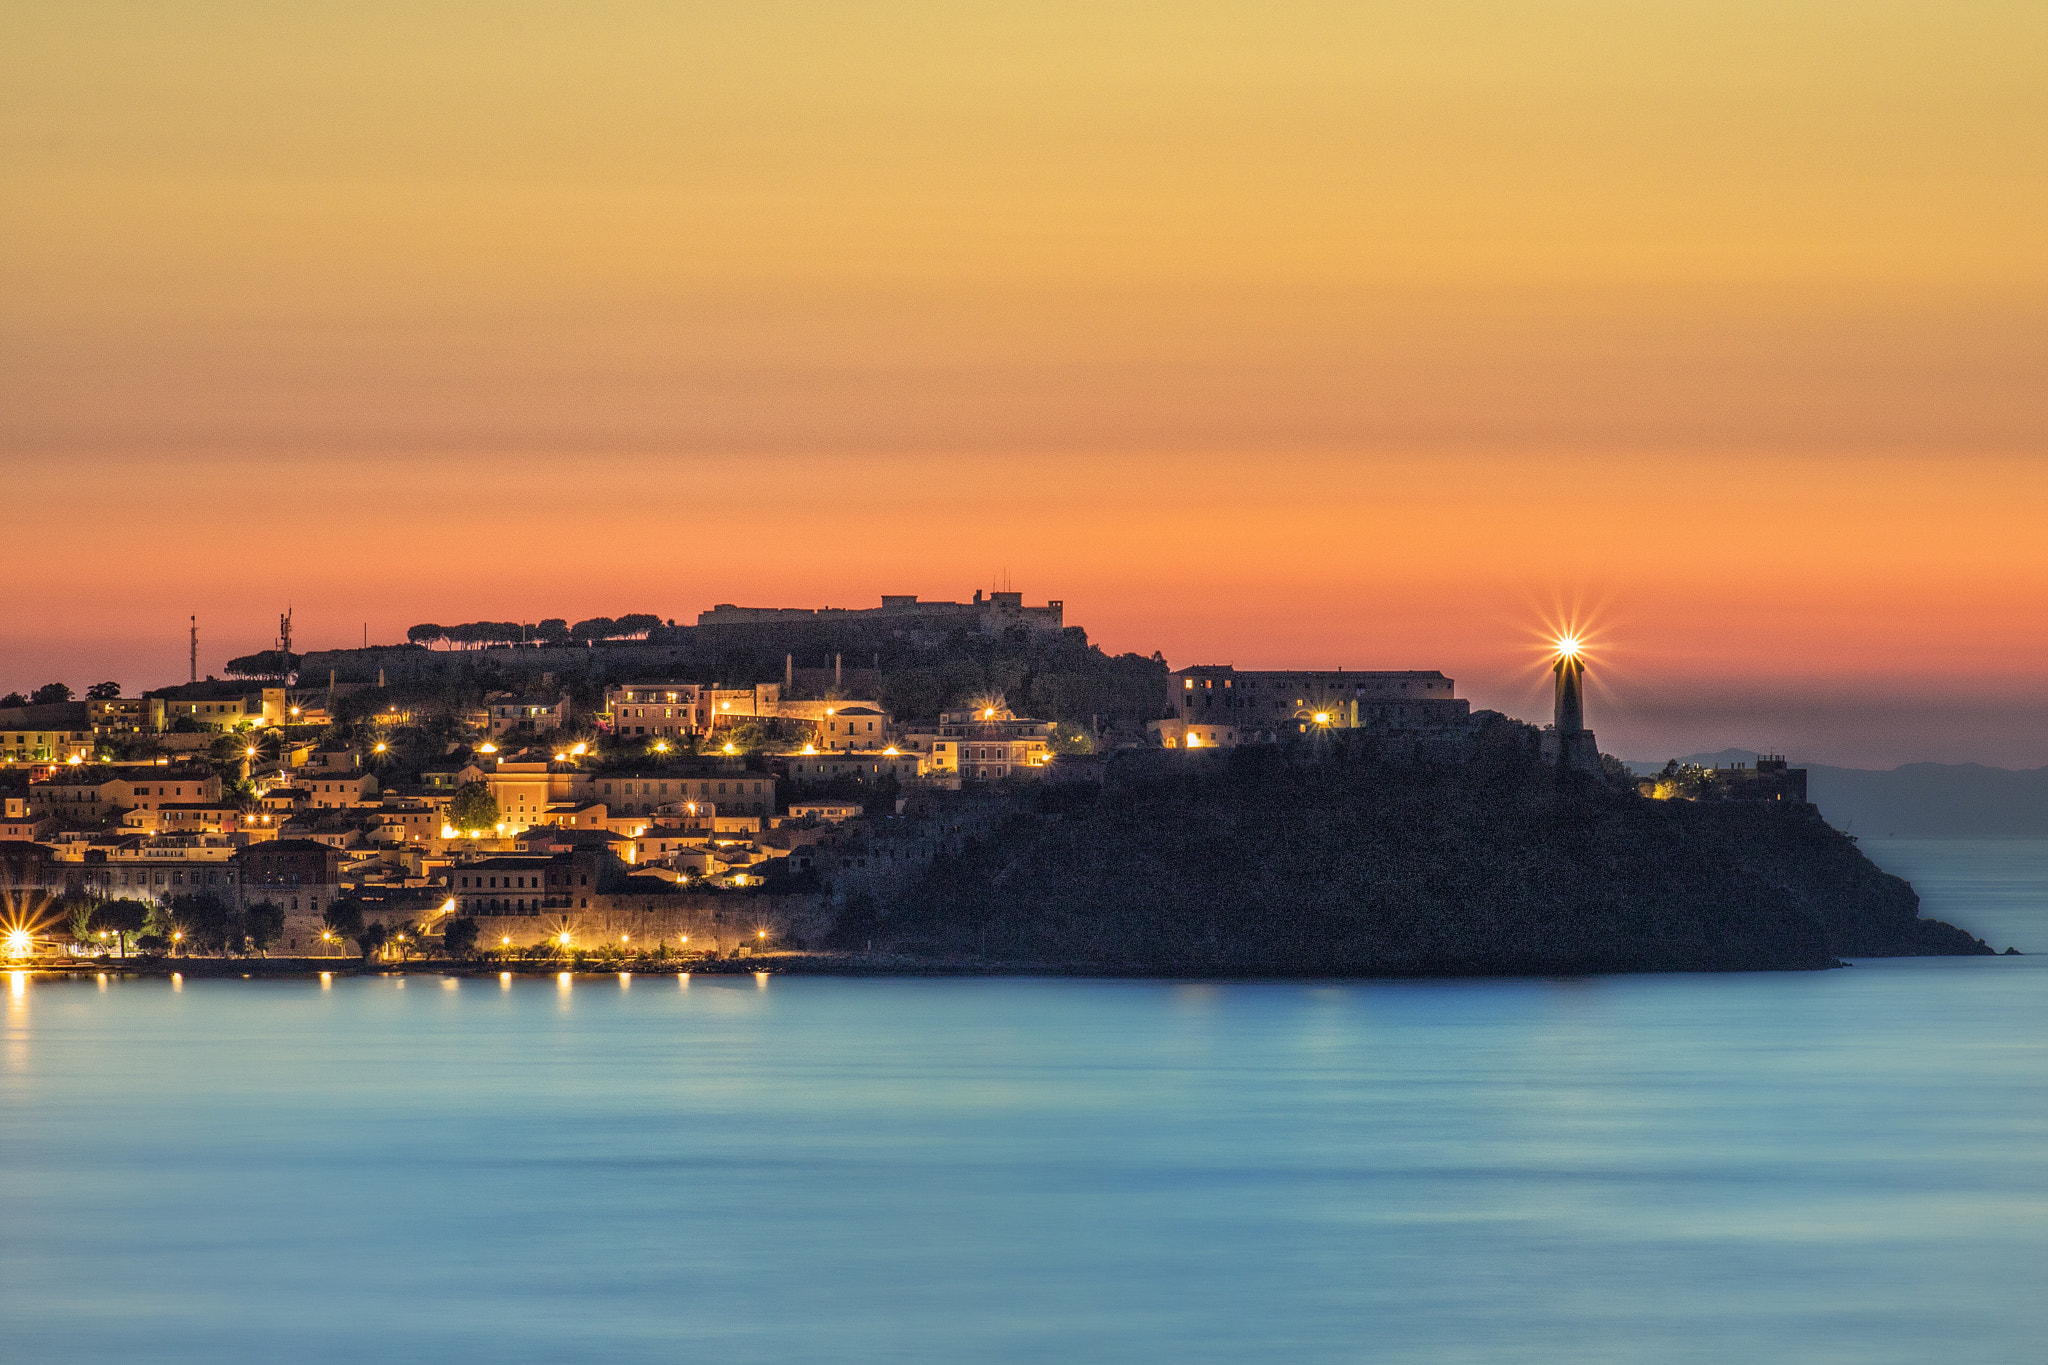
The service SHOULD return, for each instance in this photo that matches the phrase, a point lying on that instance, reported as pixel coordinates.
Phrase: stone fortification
(712, 923)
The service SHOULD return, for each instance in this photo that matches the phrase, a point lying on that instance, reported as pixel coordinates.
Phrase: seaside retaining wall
(711, 923)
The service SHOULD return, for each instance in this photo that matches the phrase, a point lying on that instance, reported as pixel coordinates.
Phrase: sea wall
(711, 923)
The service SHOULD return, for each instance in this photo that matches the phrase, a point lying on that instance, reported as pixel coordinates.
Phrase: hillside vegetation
(1267, 861)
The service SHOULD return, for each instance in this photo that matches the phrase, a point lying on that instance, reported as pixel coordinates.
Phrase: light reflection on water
(1847, 1165)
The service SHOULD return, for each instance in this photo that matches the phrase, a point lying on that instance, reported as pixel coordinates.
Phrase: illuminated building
(986, 742)
(530, 715)
(1217, 706)
(657, 709)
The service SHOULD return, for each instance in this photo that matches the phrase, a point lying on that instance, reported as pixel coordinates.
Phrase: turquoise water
(1832, 1166)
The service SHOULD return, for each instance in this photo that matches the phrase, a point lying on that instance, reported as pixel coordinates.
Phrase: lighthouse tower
(1569, 741)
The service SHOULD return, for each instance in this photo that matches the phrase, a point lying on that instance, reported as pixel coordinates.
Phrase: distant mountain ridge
(1916, 800)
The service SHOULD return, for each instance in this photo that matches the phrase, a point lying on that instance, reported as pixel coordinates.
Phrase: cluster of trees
(264, 663)
(49, 693)
(554, 630)
(201, 923)
(191, 923)
(473, 807)
(346, 921)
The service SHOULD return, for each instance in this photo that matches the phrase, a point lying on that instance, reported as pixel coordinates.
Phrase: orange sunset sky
(1282, 334)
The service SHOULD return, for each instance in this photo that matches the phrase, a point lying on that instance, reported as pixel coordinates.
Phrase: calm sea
(1811, 1167)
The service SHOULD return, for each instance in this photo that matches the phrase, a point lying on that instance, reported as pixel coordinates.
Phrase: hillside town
(519, 789)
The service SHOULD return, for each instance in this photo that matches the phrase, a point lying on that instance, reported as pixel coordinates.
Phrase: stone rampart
(712, 923)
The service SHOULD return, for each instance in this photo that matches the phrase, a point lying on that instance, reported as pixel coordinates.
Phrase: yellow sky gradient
(1281, 332)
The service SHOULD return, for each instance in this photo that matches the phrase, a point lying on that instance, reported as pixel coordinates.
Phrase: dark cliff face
(1262, 863)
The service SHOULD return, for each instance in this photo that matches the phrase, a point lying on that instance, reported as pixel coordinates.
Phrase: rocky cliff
(1262, 861)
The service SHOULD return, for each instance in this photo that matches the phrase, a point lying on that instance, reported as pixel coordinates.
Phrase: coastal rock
(1262, 861)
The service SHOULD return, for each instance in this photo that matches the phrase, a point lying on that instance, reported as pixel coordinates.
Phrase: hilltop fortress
(987, 615)
(736, 641)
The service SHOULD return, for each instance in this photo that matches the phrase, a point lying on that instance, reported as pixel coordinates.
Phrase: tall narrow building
(1569, 741)
(1570, 711)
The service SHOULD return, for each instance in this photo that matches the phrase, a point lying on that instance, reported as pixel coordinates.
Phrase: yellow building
(92, 793)
(525, 789)
(223, 706)
(986, 743)
(52, 733)
(657, 710)
(848, 724)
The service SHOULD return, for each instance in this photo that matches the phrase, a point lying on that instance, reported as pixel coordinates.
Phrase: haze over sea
(1847, 1165)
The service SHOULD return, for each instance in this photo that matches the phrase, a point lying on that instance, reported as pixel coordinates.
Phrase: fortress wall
(714, 923)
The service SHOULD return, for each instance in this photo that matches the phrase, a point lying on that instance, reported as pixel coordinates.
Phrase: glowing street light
(19, 943)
